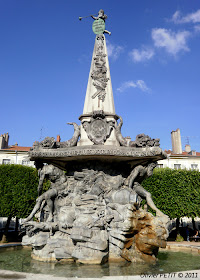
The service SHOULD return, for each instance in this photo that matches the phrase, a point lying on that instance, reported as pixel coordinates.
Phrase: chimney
(4, 141)
(58, 138)
(7, 138)
(176, 141)
(187, 148)
(192, 153)
(1, 141)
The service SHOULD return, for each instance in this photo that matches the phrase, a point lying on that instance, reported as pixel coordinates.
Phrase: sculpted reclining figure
(138, 174)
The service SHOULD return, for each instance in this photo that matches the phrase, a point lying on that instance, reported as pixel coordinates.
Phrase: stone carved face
(150, 169)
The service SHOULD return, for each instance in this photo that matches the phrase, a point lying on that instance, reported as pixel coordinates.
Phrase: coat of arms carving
(98, 129)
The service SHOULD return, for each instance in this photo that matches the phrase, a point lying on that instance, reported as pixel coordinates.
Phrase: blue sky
(154, 57)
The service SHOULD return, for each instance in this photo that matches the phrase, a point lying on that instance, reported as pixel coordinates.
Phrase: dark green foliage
(18, 190)
(46, 185)
(175, 192)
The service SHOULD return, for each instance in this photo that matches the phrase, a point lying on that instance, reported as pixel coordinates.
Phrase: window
(194, 166)
(6, 161)
(160, 165)
(177, 166)
(25, 162)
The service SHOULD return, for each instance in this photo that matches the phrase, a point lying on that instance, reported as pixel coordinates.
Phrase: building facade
(189, 161)
(178, 159)
(13, 154)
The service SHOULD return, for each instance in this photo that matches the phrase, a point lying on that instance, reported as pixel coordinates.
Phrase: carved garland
(99, 73)
(110, 152)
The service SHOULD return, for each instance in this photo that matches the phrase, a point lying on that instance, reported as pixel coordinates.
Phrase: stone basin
(132, 156)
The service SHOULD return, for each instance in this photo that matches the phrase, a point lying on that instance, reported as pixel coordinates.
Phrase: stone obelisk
(98, 121)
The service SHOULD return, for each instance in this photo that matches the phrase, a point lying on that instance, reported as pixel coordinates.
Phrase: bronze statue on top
(101, 16)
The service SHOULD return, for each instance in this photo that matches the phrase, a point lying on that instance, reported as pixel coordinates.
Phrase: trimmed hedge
(18, 190)
(175, 192)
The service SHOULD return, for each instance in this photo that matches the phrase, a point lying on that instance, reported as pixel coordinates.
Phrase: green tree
(175, 192)
(18, 191)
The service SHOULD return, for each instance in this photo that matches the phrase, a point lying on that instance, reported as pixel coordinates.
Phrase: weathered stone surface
(144, 246)
(141, 140)
(84, 152)
(50, 142)
(94, 215)
(99, 94)
(38, 240)
(89, 256)
(98, 128)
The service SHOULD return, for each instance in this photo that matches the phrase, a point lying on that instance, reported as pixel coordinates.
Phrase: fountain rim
(99, 151)
(29, 276)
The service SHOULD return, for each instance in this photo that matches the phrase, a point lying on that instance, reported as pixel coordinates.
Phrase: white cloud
(131, 84)
(126, 85)
(176, 17)
(142, 55)
(197, 28)
(173, 42)
(192, 17)
(141, 84)
(114, 51)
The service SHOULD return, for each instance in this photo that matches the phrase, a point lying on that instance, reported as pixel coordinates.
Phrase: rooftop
(184, 153)
(17, 148)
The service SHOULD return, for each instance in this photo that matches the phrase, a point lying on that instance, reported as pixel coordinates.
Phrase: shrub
(175, 192)
(18, 190)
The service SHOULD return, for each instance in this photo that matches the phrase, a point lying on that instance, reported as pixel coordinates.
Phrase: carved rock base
(96, 219)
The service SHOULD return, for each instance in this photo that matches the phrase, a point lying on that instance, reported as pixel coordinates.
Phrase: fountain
(92, 212)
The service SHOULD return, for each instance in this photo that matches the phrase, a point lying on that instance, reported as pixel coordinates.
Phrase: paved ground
(184, 244)
(190, 243)
(194, 274)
